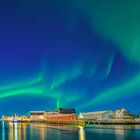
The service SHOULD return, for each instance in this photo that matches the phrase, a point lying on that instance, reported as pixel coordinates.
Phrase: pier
(113, 122)
(61, 122)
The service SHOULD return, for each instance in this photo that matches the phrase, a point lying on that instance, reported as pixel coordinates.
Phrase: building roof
(37, 111)
(50, 111)
(59, 115)
(53, 112)
(97, 112)
(66, 109)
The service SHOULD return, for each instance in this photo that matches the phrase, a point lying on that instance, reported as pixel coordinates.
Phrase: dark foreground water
(18, 131)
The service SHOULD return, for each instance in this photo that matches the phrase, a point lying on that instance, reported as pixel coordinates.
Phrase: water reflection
(25, 131)
(123, 131)
(119, 131)
(3, 131)
(10, 131)
(16, 131)
(38, 131)
(82, 133)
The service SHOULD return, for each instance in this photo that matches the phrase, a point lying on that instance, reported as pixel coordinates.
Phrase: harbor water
(41, 131)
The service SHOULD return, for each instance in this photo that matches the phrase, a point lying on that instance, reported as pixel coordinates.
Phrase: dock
(61, 122)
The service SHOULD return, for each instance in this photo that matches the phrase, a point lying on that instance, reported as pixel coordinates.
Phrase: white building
(37, 115)
(98, 115)
(122, 114)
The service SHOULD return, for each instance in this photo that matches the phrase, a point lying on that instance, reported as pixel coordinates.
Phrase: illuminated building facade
(60, 114)
(96, 115)
(61, 117)
(37, 115)
(122, 114)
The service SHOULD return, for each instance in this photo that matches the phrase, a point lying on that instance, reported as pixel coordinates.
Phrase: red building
(61, 117)
(62, 114)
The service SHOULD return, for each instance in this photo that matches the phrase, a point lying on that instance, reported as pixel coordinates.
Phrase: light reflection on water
(81, 133)
(3, 131)
(24, 131)
(119, 131)
(16, 131)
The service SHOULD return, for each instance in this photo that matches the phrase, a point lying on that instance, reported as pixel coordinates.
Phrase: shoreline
(79, 122)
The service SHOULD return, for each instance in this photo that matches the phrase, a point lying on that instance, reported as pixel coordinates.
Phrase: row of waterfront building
(67, 114)
(60, 114)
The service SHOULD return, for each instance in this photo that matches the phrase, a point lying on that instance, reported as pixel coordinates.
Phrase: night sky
(69, 53)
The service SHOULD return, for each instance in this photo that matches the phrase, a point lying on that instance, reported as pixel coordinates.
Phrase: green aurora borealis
(78, 53)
